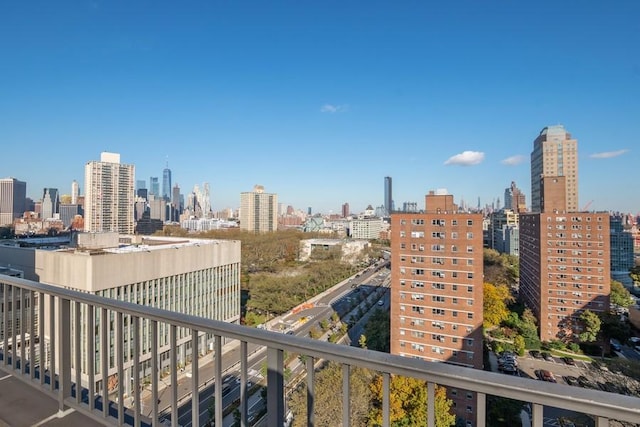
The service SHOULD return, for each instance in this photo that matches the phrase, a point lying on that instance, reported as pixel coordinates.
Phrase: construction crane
(587, 206)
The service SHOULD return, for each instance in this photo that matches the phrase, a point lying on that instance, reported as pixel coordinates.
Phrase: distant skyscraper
(50, 203)
(154, 186)
(345, 210)
(258, 210)
(166, 183)
(13, 194)
(554, 153)
(388, 196)
(109, 195)
(140, 184)
(514, 199)
(75, 192)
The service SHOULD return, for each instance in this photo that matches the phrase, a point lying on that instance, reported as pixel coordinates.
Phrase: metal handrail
(597, 403)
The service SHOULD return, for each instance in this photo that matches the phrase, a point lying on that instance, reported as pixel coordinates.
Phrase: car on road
(535, 354)
(569, 361)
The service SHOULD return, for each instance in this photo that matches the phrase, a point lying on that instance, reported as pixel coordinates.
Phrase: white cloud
(608, 154)
(466, 158)
(513, 160)
(330, 108)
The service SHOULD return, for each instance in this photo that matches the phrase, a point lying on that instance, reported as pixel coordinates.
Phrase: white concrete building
(200, 277)
(109, 195)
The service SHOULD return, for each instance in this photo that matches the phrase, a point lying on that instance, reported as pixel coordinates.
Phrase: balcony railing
(32, 312)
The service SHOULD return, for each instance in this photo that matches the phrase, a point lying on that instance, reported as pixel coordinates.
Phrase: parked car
(547, 356)
(535, 354)
(586, 383)
(615, 346)
(545, 375)
(572, 381)
(569, 361)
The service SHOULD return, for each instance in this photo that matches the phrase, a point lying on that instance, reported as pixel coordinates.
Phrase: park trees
(495, 304)
(408, 403)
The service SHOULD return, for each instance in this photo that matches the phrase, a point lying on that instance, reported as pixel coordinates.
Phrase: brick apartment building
(436, 291)
(564, 269)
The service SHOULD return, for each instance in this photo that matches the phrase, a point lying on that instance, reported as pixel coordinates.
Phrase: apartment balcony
(55, 373)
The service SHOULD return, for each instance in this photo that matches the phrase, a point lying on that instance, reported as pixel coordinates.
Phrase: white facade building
(109, 195)
(258, 210)
(200, 277)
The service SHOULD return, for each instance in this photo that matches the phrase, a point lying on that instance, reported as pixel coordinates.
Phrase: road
(338, 299)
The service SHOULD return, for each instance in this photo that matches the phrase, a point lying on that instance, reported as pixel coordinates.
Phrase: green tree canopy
(377, 330)
(591, 326)
(620, 295)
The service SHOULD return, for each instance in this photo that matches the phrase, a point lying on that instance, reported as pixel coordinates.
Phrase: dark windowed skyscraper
(388, 198)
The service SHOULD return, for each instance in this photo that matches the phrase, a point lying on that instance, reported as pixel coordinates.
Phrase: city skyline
(319, 102)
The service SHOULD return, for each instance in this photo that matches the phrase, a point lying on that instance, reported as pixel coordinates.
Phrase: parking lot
(592, 375)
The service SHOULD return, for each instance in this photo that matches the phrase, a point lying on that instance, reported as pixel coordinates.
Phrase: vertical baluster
(174, 375)
(14, 329)
(119, 349)
(5, 321)
(91, 357)
(602, 422)
(431, 404)
(41, 341)
(243, 383)
(64, 351)
(155, 374)
(346, 395)
(104, 360)
(311, 391)
(537, 415)
(136, 370)
(386, 396)
(275, 387)
(195, 396)
(23, 329)
(77, 350)
(218, 378)
(481, 409)
(32, 334)
(52, 342)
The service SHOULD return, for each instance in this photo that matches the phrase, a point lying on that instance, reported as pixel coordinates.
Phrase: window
(469, 235)
(437, 298)
(469, 288)
(469, 315)
(454, 313)
(454, 222)
(438, 311)
(469, 275)
(455, 300)
(469, 222)
(417, 234)
(469, 249)
(454, 235)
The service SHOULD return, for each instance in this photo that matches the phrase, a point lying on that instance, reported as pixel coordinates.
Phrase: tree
(519, 345)
(620, 295)
(495, 310)
(408, 403)
(377, 331)
(328, 397)
(613, 327)
(362, 342)
(591, 323)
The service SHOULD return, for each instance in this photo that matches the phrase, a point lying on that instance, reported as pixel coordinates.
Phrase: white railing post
(64, 351)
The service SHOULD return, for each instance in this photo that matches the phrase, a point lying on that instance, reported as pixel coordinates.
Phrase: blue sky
(318, 101)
